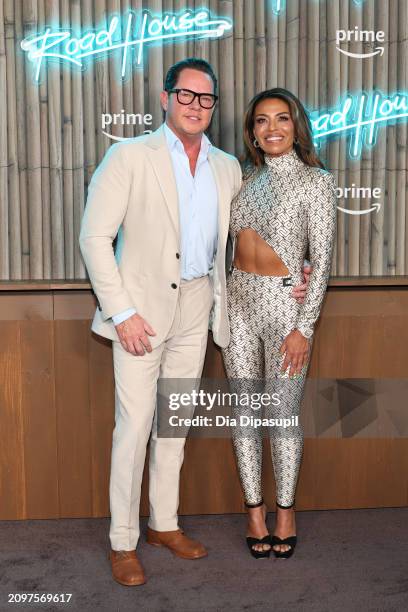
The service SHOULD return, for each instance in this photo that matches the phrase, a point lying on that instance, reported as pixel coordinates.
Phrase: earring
(296, 141)
(256, 143)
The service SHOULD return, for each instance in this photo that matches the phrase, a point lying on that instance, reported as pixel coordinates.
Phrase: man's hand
(296, 348)
(299, 292)
(133, 335)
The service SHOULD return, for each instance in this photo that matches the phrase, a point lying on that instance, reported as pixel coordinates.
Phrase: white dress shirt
(198, 212)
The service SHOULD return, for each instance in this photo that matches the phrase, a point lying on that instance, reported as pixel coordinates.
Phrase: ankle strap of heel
(254, 505)
(285, 507)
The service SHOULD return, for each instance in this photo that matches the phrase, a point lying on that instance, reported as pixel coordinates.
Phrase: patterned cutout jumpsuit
(292, 206)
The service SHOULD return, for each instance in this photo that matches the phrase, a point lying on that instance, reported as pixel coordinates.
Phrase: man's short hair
(195, 63)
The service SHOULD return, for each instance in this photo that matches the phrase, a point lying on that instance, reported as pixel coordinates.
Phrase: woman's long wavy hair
(303, 145)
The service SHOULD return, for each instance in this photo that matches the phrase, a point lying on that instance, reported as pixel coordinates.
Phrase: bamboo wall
(51, 137)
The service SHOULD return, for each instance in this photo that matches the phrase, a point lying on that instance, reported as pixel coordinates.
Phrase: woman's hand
(299, 292)
(296, 349)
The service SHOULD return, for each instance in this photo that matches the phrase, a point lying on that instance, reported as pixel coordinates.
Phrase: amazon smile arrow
(379, 50)
(376, 206)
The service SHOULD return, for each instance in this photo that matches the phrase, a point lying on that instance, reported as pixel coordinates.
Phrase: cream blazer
(133, 195)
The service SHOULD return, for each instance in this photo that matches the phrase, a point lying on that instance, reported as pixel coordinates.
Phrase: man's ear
(164, 100)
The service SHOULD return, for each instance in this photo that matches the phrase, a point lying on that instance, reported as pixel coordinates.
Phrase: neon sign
(359, 117)
(278, 6)
(62, 45)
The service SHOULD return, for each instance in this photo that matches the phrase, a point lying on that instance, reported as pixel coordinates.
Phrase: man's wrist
(122, 316)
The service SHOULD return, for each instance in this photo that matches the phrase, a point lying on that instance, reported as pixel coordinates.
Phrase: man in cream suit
(167, 196)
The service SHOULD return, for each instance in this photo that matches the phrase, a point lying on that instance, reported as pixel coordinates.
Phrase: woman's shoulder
(318, 180)
(321, 175)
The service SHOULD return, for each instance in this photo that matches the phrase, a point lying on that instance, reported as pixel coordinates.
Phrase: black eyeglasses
(186, 96)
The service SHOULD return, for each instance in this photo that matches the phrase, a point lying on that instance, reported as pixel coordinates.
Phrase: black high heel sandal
(291, 541)
(259, 554)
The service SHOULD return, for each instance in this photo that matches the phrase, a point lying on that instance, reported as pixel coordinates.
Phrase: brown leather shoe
(126, 567)
(177, 542)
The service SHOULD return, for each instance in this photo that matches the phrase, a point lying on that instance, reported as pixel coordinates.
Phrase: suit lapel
(160, 159)
(223, 197)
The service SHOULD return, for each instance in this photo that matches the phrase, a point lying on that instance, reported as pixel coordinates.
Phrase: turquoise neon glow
(359, 116)
(137, 33)
(278, 6)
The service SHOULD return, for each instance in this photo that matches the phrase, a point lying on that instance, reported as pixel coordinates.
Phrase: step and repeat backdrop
(76, 76)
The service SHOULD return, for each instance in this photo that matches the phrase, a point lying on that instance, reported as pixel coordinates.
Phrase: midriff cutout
(254, 254)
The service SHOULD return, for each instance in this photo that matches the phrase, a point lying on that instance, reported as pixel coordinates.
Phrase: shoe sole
(129, 583)
(175, 553)
(278, 556)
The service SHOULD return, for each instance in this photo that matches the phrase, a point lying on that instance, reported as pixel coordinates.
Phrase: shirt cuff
(306, 330)
(122, 316)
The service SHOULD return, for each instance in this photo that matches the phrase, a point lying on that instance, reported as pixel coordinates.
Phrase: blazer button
(178, 255)
(174, 285)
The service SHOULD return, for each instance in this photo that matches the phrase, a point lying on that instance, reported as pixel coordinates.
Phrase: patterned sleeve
(322, 214)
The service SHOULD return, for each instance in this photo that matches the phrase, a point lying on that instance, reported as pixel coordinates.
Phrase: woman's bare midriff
(253, 254)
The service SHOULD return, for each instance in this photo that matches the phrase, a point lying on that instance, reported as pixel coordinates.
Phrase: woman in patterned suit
(286, 208)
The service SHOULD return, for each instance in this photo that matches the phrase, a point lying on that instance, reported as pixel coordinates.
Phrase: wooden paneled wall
(51, 137)
(57, 411)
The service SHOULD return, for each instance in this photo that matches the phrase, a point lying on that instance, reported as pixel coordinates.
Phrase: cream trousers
(180, 356)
